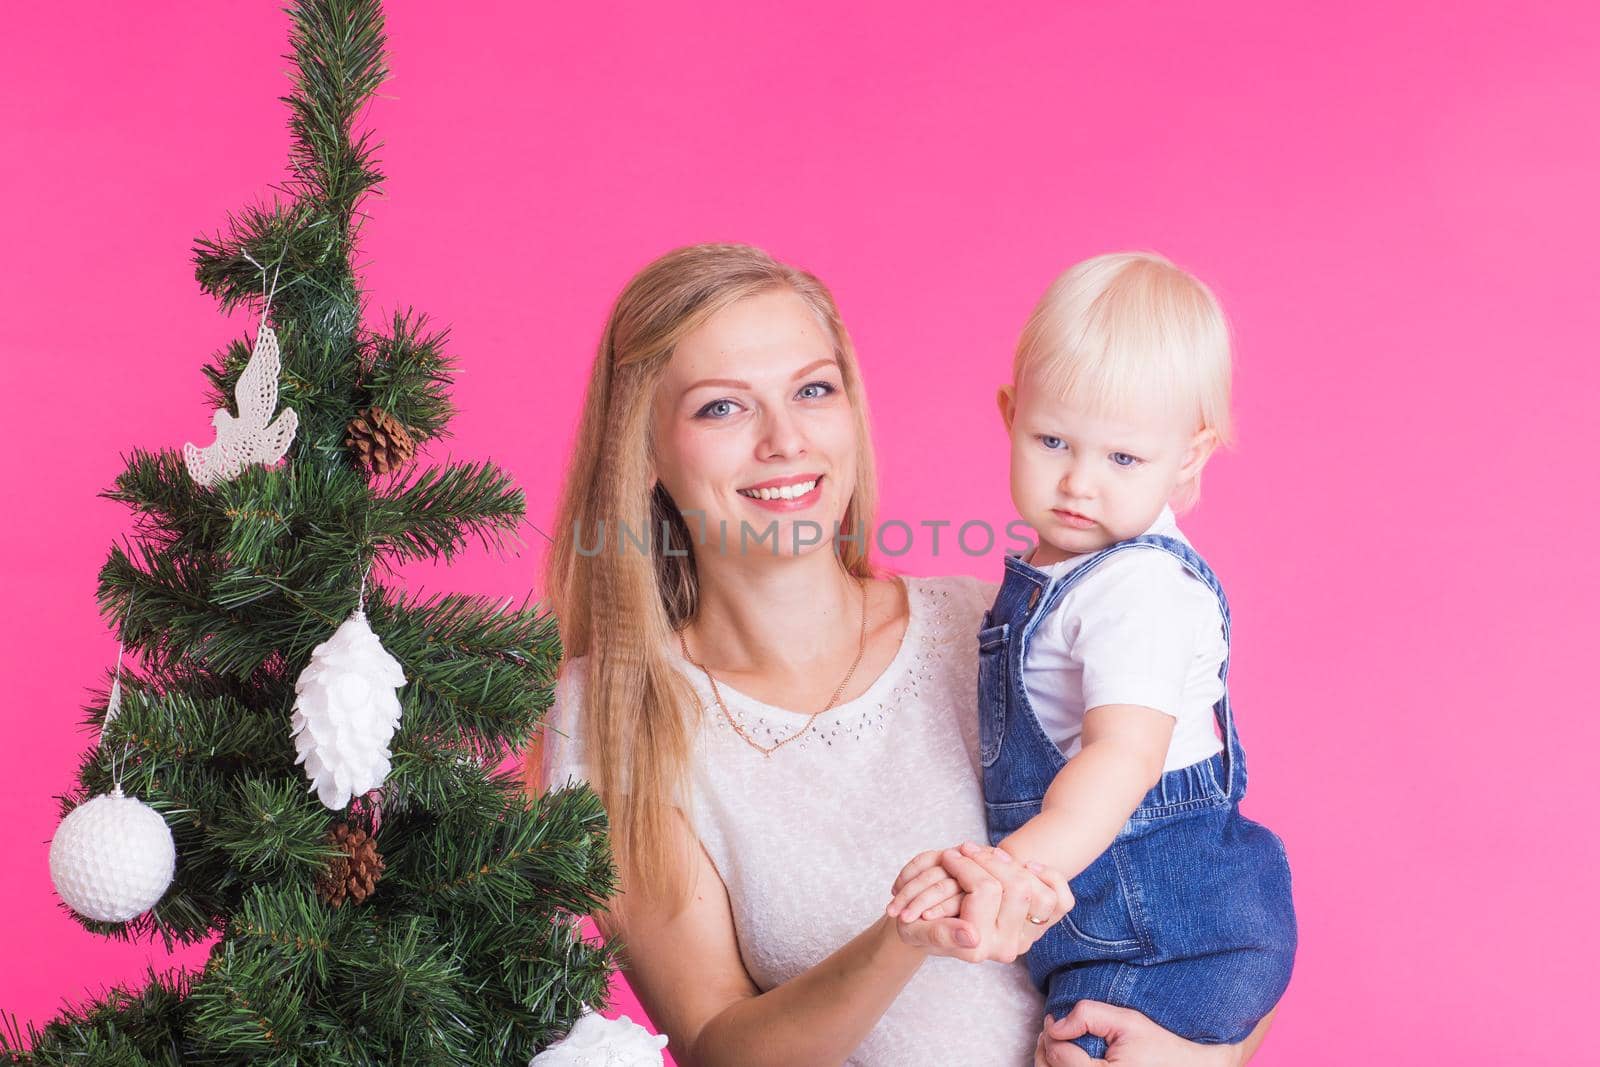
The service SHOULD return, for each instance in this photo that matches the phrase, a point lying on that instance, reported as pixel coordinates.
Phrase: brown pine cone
(379, 441)
(214, 957)
(354, 874)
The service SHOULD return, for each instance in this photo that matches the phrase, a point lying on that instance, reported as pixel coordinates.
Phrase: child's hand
(925, 890)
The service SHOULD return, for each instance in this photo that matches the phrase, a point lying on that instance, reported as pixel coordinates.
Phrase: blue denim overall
(1187, 916)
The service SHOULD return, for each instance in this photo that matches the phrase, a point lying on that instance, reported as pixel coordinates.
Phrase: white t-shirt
(1138, 629)
(808, 841)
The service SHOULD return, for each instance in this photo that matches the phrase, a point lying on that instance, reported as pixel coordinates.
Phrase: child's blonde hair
(1130, 330)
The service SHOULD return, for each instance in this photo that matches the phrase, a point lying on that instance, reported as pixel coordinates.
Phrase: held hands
(925, 890)
(975, 903)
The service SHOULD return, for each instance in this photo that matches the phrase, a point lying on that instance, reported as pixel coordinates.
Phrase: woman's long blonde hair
(621, 609)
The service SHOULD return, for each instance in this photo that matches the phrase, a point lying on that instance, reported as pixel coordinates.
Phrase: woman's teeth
(784, 492)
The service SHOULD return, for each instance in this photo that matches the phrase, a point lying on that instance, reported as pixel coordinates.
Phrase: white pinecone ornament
(345, 711)
(112, 857)
(595, 1041)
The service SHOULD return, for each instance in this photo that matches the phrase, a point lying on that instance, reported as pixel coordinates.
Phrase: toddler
(1103, 669)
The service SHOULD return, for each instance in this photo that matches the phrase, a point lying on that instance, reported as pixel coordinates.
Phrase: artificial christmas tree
(466, 950)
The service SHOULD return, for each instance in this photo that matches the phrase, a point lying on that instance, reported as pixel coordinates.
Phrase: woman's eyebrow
(730, 383)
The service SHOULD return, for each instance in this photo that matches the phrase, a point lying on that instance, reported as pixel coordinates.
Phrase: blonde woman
(777, 730)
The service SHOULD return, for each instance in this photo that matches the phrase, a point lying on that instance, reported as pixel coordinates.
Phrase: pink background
(1397, 209)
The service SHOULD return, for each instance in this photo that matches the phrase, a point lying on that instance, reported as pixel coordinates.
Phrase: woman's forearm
(819, 1016)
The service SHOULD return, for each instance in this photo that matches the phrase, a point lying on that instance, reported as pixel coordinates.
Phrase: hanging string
(361, 597)
(266, 305)
(114, 706)
(540, 532)
(267, 294)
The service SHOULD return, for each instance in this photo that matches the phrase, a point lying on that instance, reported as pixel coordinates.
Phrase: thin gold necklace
(768, 751)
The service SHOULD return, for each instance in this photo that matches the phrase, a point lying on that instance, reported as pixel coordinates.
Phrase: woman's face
(755, 437)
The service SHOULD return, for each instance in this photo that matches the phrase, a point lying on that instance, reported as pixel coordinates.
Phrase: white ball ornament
(345, 711)
(595, 1041)
(112, 857)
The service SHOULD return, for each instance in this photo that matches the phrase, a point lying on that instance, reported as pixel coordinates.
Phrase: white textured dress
(808, 841)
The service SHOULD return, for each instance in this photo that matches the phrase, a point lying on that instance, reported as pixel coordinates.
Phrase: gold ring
(1038, 922)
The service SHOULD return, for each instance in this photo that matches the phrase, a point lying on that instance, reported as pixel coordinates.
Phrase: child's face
(1084, 479)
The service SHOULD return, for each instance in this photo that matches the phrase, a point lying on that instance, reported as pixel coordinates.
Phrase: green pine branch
(432, 514)
(409, 375)
(125, 1027)
(338, 57)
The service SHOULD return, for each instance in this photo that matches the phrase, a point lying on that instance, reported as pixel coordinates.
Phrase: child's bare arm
(1124, 749)
(925, 882)
(1090, 800)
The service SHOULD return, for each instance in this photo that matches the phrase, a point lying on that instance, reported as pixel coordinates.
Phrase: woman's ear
(1201, 445)
(1006, 398)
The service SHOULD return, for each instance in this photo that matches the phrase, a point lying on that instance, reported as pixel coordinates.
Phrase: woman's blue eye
(708, 412)
(705, 411)
(1122, 459)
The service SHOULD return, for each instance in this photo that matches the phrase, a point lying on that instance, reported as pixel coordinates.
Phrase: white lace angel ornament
(346, 709)
(595, 1041)
(253, 437)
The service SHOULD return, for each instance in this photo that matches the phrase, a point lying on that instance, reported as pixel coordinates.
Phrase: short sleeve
(563, 743)
(1134, 627)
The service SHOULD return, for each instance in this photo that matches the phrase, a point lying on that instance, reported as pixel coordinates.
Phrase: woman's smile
(795, 493)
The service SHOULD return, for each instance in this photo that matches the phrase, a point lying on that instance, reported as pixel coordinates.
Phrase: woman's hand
(999, 896)
(1130, 1038)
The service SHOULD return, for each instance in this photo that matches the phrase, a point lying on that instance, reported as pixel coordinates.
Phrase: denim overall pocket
(994, 679)
(1101, 924)
(1101, 920)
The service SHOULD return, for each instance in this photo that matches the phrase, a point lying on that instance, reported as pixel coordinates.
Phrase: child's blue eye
(1122, 459)
(1051, 443)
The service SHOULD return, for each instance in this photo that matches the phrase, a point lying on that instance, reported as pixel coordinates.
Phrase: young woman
(775, 729)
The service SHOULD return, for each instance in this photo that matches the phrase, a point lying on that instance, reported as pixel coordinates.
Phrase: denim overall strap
(1236, 776)
(1017, 598)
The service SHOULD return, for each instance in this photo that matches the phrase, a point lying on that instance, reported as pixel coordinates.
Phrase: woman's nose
(782, 435)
